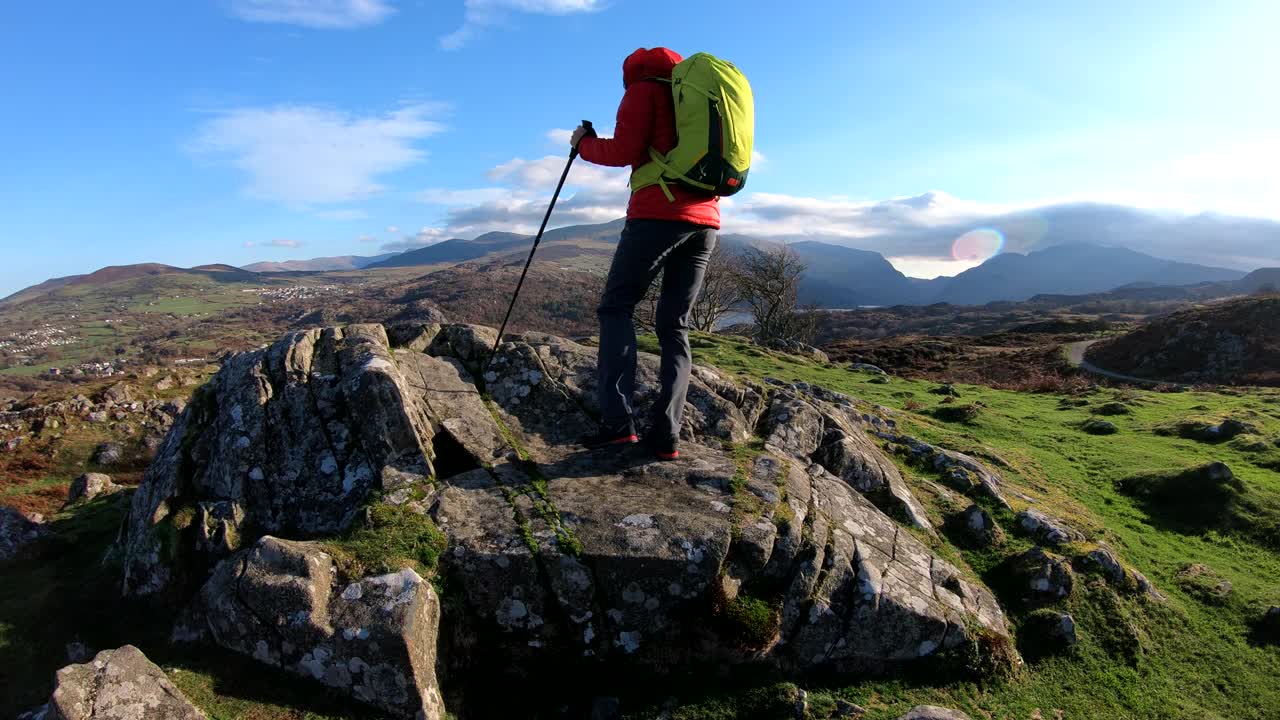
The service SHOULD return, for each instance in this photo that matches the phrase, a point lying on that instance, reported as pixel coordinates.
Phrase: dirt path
(1075, 356)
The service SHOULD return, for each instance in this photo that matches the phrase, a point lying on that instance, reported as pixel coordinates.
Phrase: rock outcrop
(1047, 530)
(89, 486)
(555, 556)
(17, 530)
(119, 684)
(281, 603)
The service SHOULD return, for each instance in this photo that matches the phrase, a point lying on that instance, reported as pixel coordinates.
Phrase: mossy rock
(1251, 443)
(1204, 584)
(1113, 408)
(1199, 497)
(1045, 633)
(958, 413)
(1208, 430)
(1100, 427)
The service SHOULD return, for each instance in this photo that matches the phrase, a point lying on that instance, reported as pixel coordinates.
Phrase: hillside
(116, 273)
(320, 264)
(1235, 342)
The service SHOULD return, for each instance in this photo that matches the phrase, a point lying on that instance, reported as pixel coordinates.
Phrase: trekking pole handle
(591, 132)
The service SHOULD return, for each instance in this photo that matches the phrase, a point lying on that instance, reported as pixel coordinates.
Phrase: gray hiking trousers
(681, 250)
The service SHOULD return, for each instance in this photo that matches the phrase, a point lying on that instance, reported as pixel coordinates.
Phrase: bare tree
(769, 282)
(719, 293)
(721, 289)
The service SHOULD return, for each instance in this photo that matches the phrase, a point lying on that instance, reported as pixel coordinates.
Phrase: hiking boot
(662, 448)
(607, 437)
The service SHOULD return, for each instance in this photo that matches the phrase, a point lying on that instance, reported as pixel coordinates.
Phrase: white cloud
(480, 14)
(773, 214)
(460, 197)
(392, 229)
(519, 197)
(316, 14)
(424, 237)
(560, 136)
(367, 239)
(278, 242)
(299, 155)
(343, 214)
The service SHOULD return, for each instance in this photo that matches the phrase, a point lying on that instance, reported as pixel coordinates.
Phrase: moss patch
(389, 538)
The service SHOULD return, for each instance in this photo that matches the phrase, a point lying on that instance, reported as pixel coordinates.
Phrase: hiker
(670, 228)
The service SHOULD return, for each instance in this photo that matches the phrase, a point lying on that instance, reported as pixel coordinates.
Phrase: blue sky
(243, 130)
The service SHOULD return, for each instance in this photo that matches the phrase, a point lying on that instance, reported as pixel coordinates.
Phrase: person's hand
(578, 134)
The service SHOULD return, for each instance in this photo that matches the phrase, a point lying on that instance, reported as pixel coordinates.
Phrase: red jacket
(646, 118)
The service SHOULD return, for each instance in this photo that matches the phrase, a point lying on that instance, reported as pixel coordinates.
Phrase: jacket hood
(648, 63)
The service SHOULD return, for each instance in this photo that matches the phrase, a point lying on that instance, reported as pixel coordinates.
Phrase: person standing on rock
(669, 228)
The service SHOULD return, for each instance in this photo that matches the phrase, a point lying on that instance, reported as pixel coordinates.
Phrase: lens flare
(977, 245)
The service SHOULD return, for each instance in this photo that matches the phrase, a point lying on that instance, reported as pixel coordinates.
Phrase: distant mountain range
(497, 243)
(927, 225)
(320, 264)
(836, 277)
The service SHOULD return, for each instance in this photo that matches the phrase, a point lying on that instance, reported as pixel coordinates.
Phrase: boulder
(115, 394)
(867, 368)
(120, 684)
(282, 604)
(976, 528)
(933, 712)
(89, 486)
(107, 454)
(17, 530)
(1104, 562)
(1047, 530)
(1269, 625)
(1041, 577)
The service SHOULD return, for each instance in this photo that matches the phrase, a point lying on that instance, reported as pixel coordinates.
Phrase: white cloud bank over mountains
(917, 234)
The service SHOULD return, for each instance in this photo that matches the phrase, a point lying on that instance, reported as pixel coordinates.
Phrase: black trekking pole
(573, 155)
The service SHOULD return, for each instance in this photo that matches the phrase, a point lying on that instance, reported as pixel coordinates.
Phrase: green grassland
(1136, 659)
(1189, 656)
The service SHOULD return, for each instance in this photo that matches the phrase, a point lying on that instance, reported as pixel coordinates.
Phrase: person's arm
(631, 134)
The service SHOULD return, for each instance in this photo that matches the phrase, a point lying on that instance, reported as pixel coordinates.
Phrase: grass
(390, 538)
(1180, 659)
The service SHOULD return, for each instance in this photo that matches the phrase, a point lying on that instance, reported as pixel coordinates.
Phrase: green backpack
(715, 122)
